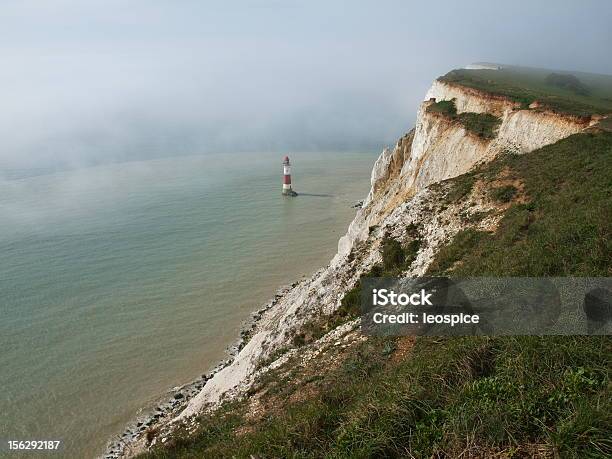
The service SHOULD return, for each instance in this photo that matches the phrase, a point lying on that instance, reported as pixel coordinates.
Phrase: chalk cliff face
(520, 130)
(437, 148)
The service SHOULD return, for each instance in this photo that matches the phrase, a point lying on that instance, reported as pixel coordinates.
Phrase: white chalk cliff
(437, 148)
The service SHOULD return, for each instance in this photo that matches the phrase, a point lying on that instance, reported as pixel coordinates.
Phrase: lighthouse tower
(287, 190)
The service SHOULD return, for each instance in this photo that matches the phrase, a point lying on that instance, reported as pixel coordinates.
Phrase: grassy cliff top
(574, 93)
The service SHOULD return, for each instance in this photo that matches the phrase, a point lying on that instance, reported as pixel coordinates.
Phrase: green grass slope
(563, 229)
(574, 93)
(452, 397)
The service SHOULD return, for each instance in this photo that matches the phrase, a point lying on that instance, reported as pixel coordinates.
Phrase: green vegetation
(581, 94)
(542, 237)
(449, 255)
(451, 397)
(504, 193)
(446, 107)
(567, 81)
(398, 258)
(395, 259)
(460, 188)
(482, 124)
(527, 396)
(392, 254)
(350, 305)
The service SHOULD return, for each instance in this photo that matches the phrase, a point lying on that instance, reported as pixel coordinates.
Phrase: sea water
(118, 282)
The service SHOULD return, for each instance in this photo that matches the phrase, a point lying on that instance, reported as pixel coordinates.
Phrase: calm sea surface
(119, 282)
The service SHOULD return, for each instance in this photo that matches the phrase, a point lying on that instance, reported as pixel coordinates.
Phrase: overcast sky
(84, 80)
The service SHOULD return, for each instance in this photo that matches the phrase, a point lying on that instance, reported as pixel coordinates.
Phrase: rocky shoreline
(178, 397)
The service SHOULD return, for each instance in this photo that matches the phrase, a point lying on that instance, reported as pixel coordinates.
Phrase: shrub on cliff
(446, 107)
(504, 193)
(392, 254)
(482, 124)
(567, 81)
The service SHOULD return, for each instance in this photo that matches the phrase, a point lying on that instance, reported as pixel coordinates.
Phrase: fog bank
(99, 81)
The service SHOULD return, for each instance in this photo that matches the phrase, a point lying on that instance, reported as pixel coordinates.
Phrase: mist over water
(119, 282)
(100, 81)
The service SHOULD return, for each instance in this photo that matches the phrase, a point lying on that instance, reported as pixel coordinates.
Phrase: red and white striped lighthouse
(287, 190)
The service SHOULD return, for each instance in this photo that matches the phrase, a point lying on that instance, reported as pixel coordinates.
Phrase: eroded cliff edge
(401, 200)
